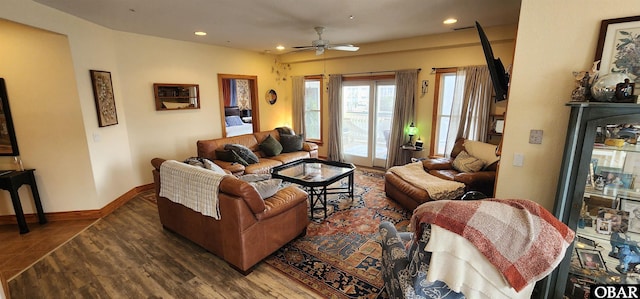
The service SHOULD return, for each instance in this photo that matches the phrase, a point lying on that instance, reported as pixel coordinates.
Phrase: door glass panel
(355, 120)
(385, 97)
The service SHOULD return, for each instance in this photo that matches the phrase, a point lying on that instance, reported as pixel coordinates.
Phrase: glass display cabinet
(599, 198)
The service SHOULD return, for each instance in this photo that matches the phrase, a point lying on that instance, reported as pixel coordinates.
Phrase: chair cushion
(270, 146)
(467, 163)
(291, 143)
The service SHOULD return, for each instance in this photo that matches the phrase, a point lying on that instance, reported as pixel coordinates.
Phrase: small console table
(11, 181)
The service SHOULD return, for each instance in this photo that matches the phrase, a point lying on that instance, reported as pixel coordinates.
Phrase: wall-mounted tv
(499, 77)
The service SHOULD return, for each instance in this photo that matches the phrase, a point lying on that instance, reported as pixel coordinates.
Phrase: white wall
(554, 39)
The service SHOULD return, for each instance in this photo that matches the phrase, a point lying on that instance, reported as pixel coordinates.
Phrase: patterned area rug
(340, 257)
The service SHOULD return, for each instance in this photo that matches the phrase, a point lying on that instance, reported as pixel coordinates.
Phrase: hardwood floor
(127, 254)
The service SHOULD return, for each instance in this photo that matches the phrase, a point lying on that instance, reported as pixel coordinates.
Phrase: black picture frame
(610, 43)
(591, 259)
(8, 141)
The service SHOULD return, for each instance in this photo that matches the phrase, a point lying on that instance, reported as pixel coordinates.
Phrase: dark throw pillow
(225, 155)
(270, 146)
(244, 152)
(291, 143)
(237, 158)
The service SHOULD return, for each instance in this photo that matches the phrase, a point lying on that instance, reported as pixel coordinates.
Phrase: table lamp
(411, 131)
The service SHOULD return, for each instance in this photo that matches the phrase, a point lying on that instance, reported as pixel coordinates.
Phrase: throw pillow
(285, 131)
(255, 177)
(238, 159)
(225, 155)
(244, 152)
(204, 163)
(467, 163)
(267, 188)
(482, 150)
(270, 146)
(291, 143)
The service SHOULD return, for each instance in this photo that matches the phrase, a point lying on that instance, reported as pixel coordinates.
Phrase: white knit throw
(193, 187)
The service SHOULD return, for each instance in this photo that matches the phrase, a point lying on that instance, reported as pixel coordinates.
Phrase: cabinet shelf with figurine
(599, 198)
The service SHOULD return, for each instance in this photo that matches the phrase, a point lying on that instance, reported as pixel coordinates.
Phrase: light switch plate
(535, 137)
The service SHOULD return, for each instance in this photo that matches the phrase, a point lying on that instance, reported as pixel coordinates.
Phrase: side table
(11, 182)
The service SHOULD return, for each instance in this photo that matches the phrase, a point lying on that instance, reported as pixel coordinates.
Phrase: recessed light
(280, 47)
(200, 33)
(450, 21)
(351, 17)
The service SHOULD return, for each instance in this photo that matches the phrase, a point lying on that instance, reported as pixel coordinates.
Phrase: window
(313, 108)
(443, 101)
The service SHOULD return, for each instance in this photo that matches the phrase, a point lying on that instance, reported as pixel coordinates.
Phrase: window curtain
(403, 116)
(298, 104)
(226, 94)
(233, 97)
(334, 152)
(471, 106)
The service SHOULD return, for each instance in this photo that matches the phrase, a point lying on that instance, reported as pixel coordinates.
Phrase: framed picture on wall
(103, 95)
(8, 142)
(616, 43)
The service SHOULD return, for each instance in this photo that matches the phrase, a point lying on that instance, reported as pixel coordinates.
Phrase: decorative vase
(604, 89)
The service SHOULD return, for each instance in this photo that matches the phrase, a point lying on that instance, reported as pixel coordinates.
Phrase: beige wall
(79, 165)
(459, 48)
(554, 39)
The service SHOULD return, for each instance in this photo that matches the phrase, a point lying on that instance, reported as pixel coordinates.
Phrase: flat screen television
(499, 77)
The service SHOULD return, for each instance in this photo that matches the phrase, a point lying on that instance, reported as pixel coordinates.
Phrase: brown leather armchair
(410, 196)
(249, 228)
(482, 181)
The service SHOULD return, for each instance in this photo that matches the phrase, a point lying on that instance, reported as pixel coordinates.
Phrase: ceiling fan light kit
(320, 44)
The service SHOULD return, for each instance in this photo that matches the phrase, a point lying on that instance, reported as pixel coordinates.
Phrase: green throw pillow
(270, 146)
(291, 143)
(225, 155)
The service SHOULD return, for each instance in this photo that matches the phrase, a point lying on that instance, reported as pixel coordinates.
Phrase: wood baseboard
(81, 215)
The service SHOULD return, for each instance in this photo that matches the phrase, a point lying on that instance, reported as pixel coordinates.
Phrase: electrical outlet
(535, 137)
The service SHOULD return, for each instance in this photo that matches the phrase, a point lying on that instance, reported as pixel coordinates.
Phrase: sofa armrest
(476, 178)
(285, 199)
(437, 164)
(309, 146)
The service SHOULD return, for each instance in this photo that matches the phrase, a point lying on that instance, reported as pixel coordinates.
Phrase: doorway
(367, 113)
(239, 110)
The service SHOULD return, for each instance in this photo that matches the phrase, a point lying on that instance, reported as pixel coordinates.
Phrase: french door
(367, 111)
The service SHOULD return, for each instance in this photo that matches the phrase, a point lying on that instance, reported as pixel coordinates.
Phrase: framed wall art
(103, 95)
(8, 142)
(619, 38)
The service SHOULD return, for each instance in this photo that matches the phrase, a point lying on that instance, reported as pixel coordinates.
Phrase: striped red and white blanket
(519, 237)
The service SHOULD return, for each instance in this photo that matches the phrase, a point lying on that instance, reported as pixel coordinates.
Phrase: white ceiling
(261, 25)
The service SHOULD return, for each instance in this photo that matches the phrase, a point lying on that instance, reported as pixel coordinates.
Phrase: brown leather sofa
(249, 228)
(410, 196)
(207, 149)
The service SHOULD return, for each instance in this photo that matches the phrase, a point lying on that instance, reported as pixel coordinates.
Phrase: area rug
(339, 257)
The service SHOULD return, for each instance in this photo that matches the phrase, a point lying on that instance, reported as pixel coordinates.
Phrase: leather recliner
(411, 196)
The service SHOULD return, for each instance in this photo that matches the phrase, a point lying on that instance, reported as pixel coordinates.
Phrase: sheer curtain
(403, 115)
(471, 105)
(334, 151)
(298, 104)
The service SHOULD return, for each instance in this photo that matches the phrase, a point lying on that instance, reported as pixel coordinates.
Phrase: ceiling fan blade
(305, 47)
(344, 47)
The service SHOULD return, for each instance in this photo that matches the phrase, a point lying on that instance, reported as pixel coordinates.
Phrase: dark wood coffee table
(315, 176)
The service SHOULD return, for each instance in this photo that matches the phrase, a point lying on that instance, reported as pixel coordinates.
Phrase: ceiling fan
(320, 44)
